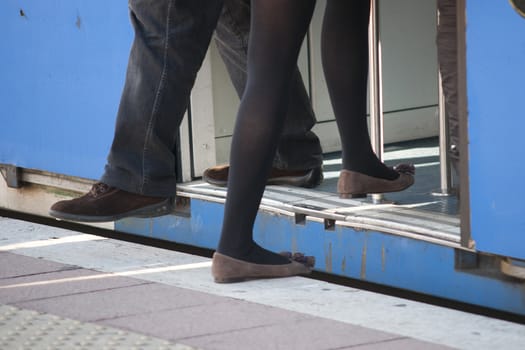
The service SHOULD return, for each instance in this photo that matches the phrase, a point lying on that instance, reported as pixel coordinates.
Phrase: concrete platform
(61, 289)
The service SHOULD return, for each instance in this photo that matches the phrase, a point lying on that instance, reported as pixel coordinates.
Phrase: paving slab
(223, 316)
(306, 334)
(56, 284)
(14, 265)
(119, 302)
(26, 329)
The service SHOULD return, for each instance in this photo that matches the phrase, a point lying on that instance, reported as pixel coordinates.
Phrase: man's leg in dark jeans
(299, 151)
(171, 39)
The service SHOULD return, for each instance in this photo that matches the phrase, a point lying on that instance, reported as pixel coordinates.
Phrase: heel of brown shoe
(350, 185)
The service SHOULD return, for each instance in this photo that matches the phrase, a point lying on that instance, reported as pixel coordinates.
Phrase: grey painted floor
(424, 154)
(61, 289)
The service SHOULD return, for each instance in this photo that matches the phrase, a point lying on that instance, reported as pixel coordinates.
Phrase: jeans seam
(157, 98)
(235, 29)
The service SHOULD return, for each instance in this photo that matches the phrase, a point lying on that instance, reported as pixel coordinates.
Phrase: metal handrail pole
(444, 163)
(376, 88)
(444, 142)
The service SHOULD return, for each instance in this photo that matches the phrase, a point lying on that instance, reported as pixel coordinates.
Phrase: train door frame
(464, 190)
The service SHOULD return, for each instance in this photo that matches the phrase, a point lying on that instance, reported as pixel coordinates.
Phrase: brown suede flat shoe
(229, 270)
(353, 184)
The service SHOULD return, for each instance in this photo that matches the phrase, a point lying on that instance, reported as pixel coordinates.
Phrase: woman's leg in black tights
(345, 64)
(278, 28)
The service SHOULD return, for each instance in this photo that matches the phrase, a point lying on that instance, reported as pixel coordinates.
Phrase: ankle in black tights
(278, 28)
(344, 41)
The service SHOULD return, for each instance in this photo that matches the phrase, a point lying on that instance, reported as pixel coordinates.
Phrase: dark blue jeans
(171, 40)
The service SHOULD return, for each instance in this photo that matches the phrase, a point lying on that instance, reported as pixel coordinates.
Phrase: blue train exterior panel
(496, 90)
(387, 259)
(62, 71)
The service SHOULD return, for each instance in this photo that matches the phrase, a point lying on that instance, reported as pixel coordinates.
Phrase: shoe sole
(159, 209)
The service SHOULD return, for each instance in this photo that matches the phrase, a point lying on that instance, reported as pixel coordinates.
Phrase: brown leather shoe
(353, 184)
(218, 176)
(228, 270)
(104, 203)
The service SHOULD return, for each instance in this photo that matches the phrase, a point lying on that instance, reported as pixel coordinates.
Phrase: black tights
(278, 28)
